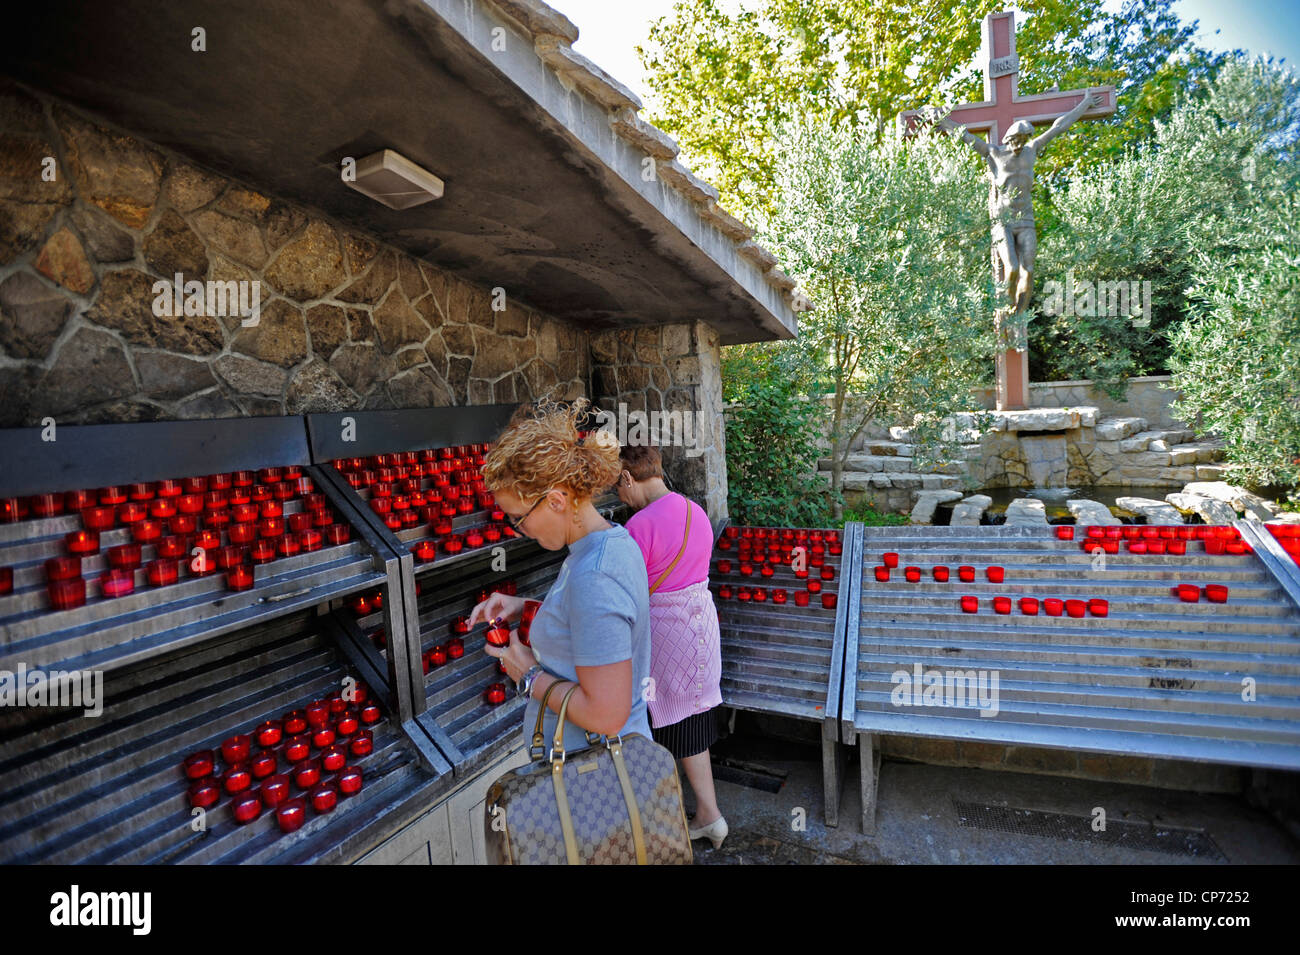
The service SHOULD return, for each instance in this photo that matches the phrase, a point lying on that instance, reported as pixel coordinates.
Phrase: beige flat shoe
(715, 832)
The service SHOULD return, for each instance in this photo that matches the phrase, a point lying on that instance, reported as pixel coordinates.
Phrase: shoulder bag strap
(685, 537)
(538, 748)
(557, 777)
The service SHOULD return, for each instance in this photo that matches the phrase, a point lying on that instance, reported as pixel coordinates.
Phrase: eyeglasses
(518, 522)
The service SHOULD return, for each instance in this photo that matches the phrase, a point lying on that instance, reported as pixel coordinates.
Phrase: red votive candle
(15, 509)
(72, 501)
(1137, 547)
(724, 592)
(290, 815)
(190, 503)
(123, 556)
(204, 792)
(1156, 546)
(1114, 532)
(62, 568)
(1176, 547)
(208, 539)
(270, 527)
(828, 601)
(1216, 593)
(333, 758)
(767, 570)
(1149, 533)
(970, 604)
(240, 578)
(182, 524)
(161, 509)
(1110, 546)
(362, 744)
(146, 532)
(890, 560)
(966, 575)
(274, 790)
(424, 551)
(349, 781)
(242, 533)
(1098, 607)
(310, 540)
(323, 737)
(801, 598)
(1053, 606)
(1215, 545)
(1029, 606)
(913, 575)
(297, 748)
(758, 593)
(161, 572)
(1065, 532)
(269, 733)
(80, 543)
(236, 778)
(941, 574)
(324, 797)
(337, 534)
(1002, 605)
(263, 764)
(299, 522)
(828, 572)
(244, 513)
(294, 722)
(66, 594)
(779, 596)
(995, 574)
(453, 544)
(6, 580)
(1076, 608)
(270, 475)
(99, 518)
(306, 773)
(348, 723)
(46, 505)
(1234, 547)
(370, 713)
(272, 509)
(112, 496)
(814, 586)
(495, 694)
(742, 593)
(197, 765)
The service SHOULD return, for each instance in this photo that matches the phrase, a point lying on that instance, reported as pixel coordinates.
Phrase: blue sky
(610, 29)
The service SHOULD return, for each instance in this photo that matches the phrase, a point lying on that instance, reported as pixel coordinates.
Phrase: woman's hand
(518, 658)
(497, 606)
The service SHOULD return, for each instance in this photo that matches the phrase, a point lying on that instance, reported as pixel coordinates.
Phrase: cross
(1002, 106)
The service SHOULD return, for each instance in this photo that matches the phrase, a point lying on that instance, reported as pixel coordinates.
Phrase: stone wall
(673, 369)
(1147, 397)
(346, 322)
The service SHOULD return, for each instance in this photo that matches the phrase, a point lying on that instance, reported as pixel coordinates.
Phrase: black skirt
(690, 736)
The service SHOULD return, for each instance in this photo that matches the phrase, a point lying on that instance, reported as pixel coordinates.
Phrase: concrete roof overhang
(543, 196)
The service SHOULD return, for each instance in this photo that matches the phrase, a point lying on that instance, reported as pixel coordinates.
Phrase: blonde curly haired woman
(593, 628)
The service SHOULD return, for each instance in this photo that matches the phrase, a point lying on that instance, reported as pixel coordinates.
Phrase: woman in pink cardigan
(685, 646)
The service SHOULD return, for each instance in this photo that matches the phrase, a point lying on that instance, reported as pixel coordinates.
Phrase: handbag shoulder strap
(538, 748)
(557, 780)
(685, 537)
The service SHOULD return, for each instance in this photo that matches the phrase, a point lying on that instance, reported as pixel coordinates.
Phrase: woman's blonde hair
(540, 449)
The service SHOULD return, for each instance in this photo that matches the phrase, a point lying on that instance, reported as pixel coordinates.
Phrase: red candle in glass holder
(370, 713)
(424, 551)
(169, 488)
(495, 694)
(310, 540)
(724, 592)
(966, 575)
(294, 722)
(1150, 533)
(240, 578)
(262, 552)
(1114, 532)
(161, 509)
(1216, 593)
(323, 737)
(161, 572)
(270, 527)
(274, 790)
(828, 601)
(132, 512)
(338, 534)
(271, 509)
(318, 714)
(912, 574)
(15, 509)
(767, 570)
(1137, 547)
(1156, 546)
(779, 595)
(146, 532)
(208, 539)
(190, 503)
(437, 656)
(297, 523)
(306, 773)
(282, 491)
(349, 781)
(1215, 545)
(814, 586)
(215, 501)
(6, 580)
(62, 568)
(348, 722)
(123, 557)
(1131, 532)
(1002, 605)
(742, 593)
(890, 560)
(287, 546)
(1110, 546)
(112, 495)
(453, 544)
(66, 594)
(1234, 547)
(941, 574)
(801, 598)
(333, 758)
(1185, 533)
(1029, 606)
(1098, 607)
(197, 765)
(362, 744)
(1176, 547)
(724, 566)
(1065, 532)
(182, 524)
(99, 518)
(72, 501)
(80, 543)
(46, 505)
(1053, 606)
(995, 575)
(270, 475)
(297, 748)
(758, 594)
(828, 572)
(970, 604)
(263, 764)
(1076, 608)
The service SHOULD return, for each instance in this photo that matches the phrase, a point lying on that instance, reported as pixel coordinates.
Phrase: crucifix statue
(1011, 178)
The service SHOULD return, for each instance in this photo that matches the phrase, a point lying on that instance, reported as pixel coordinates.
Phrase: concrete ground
(919, 821)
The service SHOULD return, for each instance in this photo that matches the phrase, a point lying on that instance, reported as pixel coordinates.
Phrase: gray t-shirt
(596, 612)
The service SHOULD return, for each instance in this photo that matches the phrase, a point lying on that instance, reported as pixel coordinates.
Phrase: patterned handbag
(617, 803)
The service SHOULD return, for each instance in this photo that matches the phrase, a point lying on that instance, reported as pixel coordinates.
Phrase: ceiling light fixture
(394, 180)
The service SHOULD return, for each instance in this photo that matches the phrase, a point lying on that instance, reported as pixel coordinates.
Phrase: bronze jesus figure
(1011, 180)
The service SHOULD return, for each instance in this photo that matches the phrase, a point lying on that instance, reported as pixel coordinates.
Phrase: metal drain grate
(1056, 825)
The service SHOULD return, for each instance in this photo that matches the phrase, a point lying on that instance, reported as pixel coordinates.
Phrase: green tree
(894, 240)
(1201, 188)
(723, 83)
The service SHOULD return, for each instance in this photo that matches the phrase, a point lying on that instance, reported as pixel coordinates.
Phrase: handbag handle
(557, 743)
(685, 537)
(538, 748)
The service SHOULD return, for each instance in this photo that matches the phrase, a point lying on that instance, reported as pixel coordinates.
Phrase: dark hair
(642, 461)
